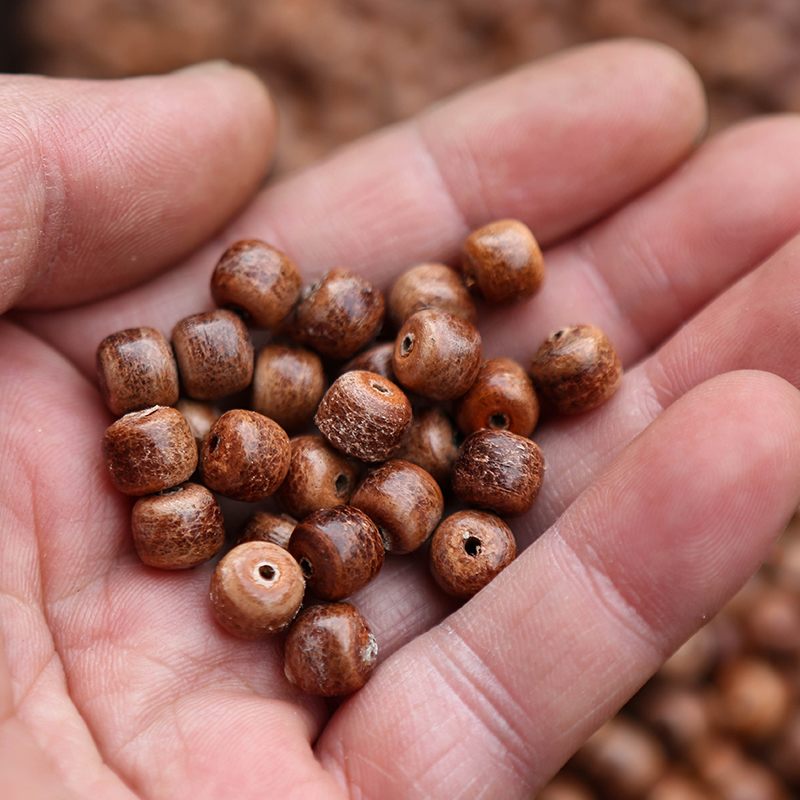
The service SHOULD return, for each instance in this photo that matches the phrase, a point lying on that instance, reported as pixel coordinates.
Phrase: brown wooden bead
(339, 550)
(330, 650)
(256, 590)
(437, 354)
(576, 369)
(468, 550)
(502, 262)
(178, 528)
(149, 451)
(404, 501)
(257, 281)
(364, 415)
(377, 359)
(137, 370)
(681, 716)
(502, 398)
(431, 443)
(339, 315)
(264, 526)
(500, 471)
(430, 286)
(214, 354)
(676, 786)
(200, 416)
(288, 383)
(319, 477)
(245, 456)
(566, 787)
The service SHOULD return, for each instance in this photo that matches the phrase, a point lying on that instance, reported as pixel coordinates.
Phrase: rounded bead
(468, 550)
(319, 477)
(339, 550)
(364, 415)
(576, 369)
(339, 314)
(432, 443)
(437, 355)
(502, 398)
(430, 286)
(288, 383)
(377, 359)
(256, 590)
(404, 501)
(178, 528)
(214, 354)
(502, 262)
(200, 416)
(330, 650)
(257, 281)
(264, 526)
(149, 451)
(500, 471)
(245, 456)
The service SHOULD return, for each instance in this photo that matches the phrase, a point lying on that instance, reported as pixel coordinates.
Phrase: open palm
(115, 680)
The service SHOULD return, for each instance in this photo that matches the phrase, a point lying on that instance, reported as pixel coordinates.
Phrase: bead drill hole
(212, 443)
(407, 345)
(379, 387)
(498, 422)
(472, 546)
(267, 572)
(171, 490)
(341, 484)
(307, 567)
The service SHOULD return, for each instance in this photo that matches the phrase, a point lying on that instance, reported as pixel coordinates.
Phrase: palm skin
(116, 681)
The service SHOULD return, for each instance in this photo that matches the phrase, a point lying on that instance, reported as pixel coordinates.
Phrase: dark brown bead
(676, 786)
(430, 286)
(178, 528)
(566, 787)
(258, 282)
(500, 471)
(200, 416)
(319, 477)
(256, 590)
(468, 550)
(404, 501)
(681, 716)
(149, 451)
(339, 314)
(502, 262)
(339, 550)
(364, 415)
(288, 383)
(214, 354)
(437, 355)
(431, 443)
(330, 650)
(377, 359)
(502, 398)
(245, 456)
(264, 526)
(137, 370)
(576, 369)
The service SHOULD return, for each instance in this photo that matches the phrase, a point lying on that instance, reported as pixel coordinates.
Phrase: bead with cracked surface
(264, 526)
(432, 443)
(430, 286)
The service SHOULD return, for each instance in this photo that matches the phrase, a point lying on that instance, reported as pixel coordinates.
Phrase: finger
(507, 688)
(105, 183)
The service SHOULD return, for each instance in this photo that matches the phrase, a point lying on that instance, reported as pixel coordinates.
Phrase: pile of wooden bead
(339, 524)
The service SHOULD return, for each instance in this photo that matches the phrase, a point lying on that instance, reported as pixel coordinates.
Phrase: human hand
(655, 508)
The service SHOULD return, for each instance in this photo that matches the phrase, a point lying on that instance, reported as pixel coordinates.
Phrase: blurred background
(721, 721)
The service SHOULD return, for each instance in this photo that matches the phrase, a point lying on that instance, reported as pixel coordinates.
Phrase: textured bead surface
(178, 528)
(339, 550)
(264, 526)
(432, 443)
(330, 650)
(200, 416)
(430, 286)
(377, 359)
(136, 370)
(364, 415)
(149, 451)
(256, 590)
(245, 456)
(500, 471)
(468, 550)
(576, 369)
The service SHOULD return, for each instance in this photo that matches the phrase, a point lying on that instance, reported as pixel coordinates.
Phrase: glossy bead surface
(403, 500)
(468, 550)
(330, 650)
(500, 471)
(437, 354)
(214, 354)
(377, 359)
(339, 550)
(256, 590)
(257, 281)
(245, 456)
(288, 383)
(576, 369)
(264, 526)
(432, 443)
(502, 398)
(502, 262)
(430, 286)
(178, 528)
(364, 415)
(149, 451)
(200, 416)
